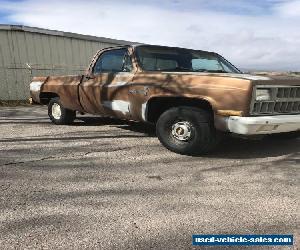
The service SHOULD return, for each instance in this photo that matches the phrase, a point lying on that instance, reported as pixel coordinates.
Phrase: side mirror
(89, 76)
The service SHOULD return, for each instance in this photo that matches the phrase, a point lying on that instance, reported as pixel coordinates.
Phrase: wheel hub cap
(56, 111)
(182, 130)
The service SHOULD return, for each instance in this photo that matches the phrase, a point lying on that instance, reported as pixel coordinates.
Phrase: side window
(153, 63)
(225, 67)
(113, 61)
(205, 63)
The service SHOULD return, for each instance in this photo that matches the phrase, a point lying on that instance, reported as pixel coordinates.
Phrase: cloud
(289, 9)
(261, 35)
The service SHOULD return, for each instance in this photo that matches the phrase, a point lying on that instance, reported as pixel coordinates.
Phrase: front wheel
(58, 114)
(187, 130)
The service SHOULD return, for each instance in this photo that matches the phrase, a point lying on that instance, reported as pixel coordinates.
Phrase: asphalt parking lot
(107, 184)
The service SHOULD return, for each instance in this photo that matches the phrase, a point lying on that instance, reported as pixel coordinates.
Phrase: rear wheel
(187, 130)
(58, 114)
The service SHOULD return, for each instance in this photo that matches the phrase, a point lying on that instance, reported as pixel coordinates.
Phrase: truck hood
(255, 79)
(279, 80)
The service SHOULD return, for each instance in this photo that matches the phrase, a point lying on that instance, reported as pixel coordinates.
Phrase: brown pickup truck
(192, 96)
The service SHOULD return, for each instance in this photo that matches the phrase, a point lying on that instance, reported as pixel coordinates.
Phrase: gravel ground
(107, 184)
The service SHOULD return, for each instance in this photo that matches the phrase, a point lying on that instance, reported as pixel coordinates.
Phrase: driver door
(105, 92)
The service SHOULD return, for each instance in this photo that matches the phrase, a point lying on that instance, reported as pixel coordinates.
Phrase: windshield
(152, 58)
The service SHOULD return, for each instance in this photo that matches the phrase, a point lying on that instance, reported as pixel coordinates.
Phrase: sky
(252, 34)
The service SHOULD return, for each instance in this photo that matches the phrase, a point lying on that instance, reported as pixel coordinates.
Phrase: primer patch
(118, 105)
(144, 109)
(35, 86)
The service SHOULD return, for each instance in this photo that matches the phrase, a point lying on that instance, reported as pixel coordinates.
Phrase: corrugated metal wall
(45, 52)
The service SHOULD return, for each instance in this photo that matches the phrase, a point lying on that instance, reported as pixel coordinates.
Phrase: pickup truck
(192, 96)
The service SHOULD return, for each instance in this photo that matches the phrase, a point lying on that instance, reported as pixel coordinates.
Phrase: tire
(58, 114)
(187, 130)
(286, 136)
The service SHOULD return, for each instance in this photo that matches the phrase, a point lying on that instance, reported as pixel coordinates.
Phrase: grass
(14, 103)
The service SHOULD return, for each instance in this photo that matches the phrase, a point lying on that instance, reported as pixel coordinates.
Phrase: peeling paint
(35, 86)
(144, 110)
(117, 84)
(118, 105)
(239, 76)
(249, 77)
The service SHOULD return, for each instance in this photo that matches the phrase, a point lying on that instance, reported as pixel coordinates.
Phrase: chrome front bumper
(262, 125)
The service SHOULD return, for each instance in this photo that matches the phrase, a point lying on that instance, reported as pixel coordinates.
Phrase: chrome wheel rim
(56, 111)
(182, 130)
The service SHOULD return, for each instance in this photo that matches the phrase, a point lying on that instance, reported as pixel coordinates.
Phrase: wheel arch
(155, 106)
(45, 97)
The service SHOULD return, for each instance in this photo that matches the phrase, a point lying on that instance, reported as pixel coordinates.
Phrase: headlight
(263, 94)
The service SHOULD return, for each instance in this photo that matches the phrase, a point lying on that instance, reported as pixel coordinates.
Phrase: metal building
(26, 52)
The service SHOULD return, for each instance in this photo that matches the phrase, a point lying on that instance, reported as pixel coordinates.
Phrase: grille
(292, 92)
(284, 100)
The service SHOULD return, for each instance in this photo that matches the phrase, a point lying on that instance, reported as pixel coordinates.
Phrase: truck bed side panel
(66, 87)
